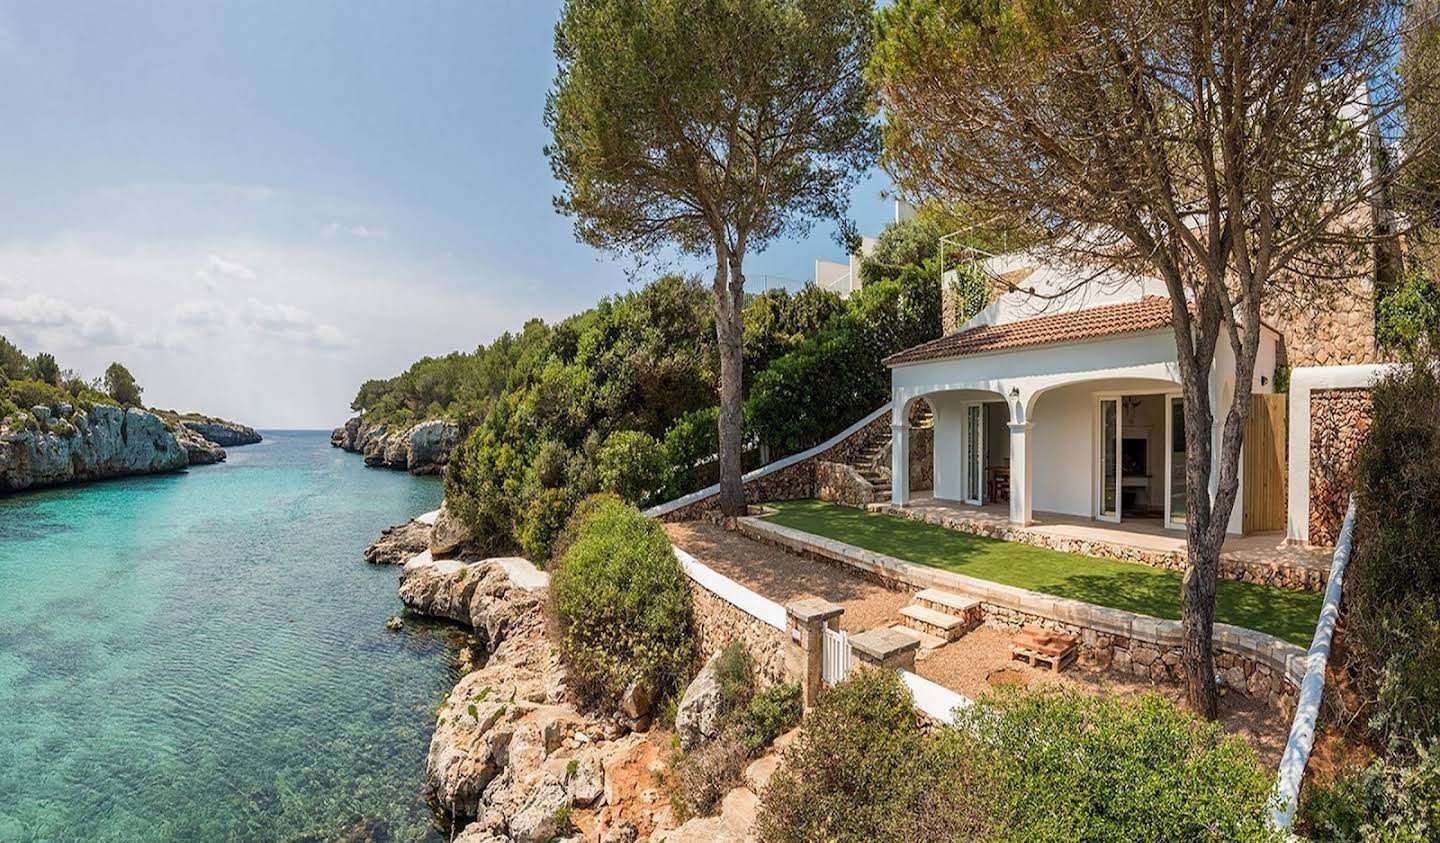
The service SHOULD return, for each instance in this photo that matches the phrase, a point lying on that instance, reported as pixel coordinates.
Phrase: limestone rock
(450, 534)
(423, 448)
(101, 442)
(198, 449)
(399, 543)
(535, 821)
(587, 783)
(227, 434)
(697, 719)
(438, 587)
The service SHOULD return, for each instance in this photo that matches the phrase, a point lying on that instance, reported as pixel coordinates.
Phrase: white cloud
(219, 271)
(363, 232)
(44, 317)
(206, 314)
(292, 323)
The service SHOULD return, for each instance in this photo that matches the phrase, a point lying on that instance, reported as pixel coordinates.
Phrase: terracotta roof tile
(1147, 314)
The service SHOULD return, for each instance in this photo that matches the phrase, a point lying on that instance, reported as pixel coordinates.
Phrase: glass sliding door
(1108, 452)
(1175, 462)
(974, 453)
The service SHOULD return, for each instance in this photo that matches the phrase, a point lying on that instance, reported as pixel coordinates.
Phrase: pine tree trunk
(1197, 610)
(729, 332)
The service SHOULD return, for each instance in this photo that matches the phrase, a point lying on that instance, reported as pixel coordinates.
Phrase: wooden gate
(835, 653)
(1265, 465)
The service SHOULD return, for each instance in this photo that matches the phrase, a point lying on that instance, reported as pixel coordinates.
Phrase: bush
(767, 716)
(700, 779)
(623, 606)
(1065, 766)
(1408, 316)
(690, 444)
(1383, 802)
(633, 465)
(1392, 588)
(901, 244)
(862, 769)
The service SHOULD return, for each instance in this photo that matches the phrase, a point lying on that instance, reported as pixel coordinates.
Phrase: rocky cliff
(511, 759)
(420, 449)
(62, 444)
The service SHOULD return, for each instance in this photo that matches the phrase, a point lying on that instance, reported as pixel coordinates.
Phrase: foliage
(904, 243)
(700, 779)
(623, 606)
(633, 465)
(837, 376)
(14, 365)
(1383, 803)
(735, 673)
(970, 290)
(1392, 589)
(767, 715)
(43, 368)
(1408, 316)
(862, 769)
(120, 385)
(1066, 766)
(691, 444)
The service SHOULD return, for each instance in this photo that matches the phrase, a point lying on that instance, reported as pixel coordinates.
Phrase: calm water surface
(202, 656)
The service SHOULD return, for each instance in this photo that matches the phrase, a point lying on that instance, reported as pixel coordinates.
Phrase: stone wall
(718, 622)
(1339, 422)
(1332, 329)
(793, 482)
(840, 483)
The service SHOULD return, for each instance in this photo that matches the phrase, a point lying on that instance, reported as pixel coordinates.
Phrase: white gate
(835, 656)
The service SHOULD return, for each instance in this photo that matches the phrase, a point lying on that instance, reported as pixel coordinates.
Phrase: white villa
(1069, 404)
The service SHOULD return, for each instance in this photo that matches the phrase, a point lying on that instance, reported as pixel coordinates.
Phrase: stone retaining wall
(840, 483)
(1252, 663)
(717, 623)
(1339, 422)
(1276, 574)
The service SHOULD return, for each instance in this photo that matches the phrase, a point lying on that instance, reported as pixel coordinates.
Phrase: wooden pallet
(1039, 646)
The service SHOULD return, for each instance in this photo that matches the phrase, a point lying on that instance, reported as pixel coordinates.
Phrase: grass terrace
(1288, 615)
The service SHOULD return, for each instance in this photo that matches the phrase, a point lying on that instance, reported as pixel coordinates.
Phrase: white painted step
(946, 601)
(936, 623)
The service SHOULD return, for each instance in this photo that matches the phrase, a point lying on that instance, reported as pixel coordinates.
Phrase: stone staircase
(938, 617)
(873, 460)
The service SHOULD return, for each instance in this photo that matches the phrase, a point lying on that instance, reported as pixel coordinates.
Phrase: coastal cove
(202, 655)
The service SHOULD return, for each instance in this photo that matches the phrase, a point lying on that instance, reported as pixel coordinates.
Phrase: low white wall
(739, 596)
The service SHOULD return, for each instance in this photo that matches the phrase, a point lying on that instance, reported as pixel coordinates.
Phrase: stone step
(935, 623)
(928, 643)
(947, 601)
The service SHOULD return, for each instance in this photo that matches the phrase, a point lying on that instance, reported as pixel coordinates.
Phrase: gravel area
(785, 577)
(965, 666)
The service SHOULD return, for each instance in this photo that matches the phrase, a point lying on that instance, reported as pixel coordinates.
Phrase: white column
(1020, 485)
(900, 458)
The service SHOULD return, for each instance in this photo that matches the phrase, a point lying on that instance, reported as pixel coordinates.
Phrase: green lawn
(1290, 615)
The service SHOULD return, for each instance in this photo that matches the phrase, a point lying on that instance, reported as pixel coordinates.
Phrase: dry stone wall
(1339, 422)
(841, 483)
(1327, 329)
(718, 623)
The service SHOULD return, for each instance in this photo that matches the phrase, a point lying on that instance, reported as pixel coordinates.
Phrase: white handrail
(1312, 687)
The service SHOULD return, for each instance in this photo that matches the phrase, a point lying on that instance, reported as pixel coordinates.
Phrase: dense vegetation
(622, 398)
(622, 604)
(1042, 766)
(29, 382)
(1391, 639)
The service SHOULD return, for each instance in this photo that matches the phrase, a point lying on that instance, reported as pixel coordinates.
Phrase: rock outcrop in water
(60, 444)
(511, 757)
(420, 449)
(226, 434)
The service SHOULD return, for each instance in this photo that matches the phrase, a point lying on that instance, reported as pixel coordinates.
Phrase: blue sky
(257, 205)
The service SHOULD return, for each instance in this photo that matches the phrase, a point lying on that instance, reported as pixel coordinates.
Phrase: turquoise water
(202, 656)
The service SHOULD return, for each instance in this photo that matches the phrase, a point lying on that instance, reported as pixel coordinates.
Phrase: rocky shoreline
(423, 448)
(64, 444)
(511, 758)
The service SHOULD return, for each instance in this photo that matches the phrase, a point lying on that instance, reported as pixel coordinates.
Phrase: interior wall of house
(1062, 451)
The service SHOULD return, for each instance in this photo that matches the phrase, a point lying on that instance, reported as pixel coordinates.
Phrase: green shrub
(29, 393)
(633, 465)
(862, 769)
(1066, 766)
(901, 244)
(769, 714)
(1408, 316)
(1392, 587)
(735, 673)
(1383, 802)
(691, 445)
(623, 606)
